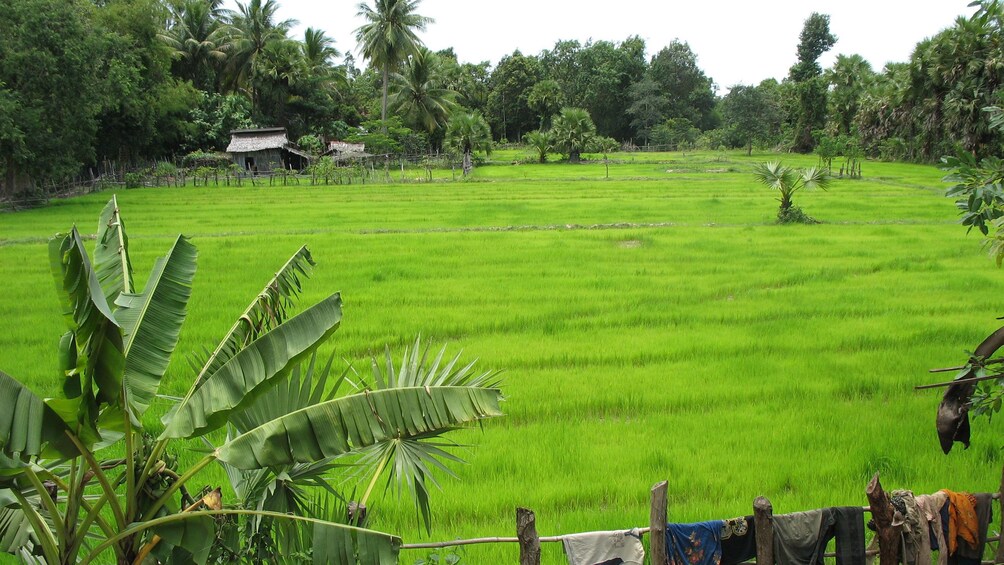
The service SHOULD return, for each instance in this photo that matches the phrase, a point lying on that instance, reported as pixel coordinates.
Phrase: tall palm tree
(318, 51)
(198, 40)
(389, 37)
(418, 93)
(254, 32)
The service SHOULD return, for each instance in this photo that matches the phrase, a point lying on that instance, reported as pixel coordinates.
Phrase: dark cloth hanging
(699, 543)
(953, 412)
(738, 540)
(801, 538)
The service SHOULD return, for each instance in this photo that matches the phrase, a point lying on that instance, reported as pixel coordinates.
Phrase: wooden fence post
(529, 542)
(999, 558)
(763, 516)
(888, 522)
(657, 524)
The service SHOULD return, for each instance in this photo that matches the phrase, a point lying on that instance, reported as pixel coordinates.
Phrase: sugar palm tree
(389, 37)
(787, 181)
(540, 142)
(468, 133)
(572, 131)
(418, 95)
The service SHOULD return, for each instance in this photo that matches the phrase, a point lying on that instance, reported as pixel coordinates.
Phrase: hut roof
(248, 140)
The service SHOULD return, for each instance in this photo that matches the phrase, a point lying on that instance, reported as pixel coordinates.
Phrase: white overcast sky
(736, 41)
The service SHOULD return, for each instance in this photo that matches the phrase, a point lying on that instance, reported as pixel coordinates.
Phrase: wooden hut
(264, 150)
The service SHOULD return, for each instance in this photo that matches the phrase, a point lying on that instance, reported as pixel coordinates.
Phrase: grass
(653, 325)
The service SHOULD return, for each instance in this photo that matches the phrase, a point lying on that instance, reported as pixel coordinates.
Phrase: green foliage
(508, 106)
(214, 118)
(418, 93)
(675, 133)
(311, 144)
(468, 133)
(389, 138)
(197, 159)
(752, 115)
(814, 40)
(687, 91)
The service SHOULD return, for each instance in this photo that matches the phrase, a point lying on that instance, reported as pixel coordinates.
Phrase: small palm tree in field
(468, 133)
(540, 142)
(787, 181)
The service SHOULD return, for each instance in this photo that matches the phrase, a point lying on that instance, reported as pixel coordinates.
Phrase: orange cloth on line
(961, 519)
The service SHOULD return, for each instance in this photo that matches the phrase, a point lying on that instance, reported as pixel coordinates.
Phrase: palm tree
(468, 133)
(572, 130)
(540, 142)
(389, 37)
(418, 94)
(198, 40)
(318, 51)
(254, 31)
(546, 99)
(787, 181)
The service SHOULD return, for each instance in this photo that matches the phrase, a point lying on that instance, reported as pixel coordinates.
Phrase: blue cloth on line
(699, 543)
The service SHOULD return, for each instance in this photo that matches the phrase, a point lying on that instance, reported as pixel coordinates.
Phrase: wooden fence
(888, 524)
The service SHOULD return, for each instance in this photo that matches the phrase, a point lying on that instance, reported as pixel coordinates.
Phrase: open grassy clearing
(704, 344)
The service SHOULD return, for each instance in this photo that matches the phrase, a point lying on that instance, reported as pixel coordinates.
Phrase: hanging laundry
(973, 554)
(604, 548)
(796, 538)
(800, 538)
(699, 543)
(962, 522)
(930, 505)
(738, 540)
(916, 532)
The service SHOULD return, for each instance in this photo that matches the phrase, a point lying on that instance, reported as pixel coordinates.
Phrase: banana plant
(85, 475)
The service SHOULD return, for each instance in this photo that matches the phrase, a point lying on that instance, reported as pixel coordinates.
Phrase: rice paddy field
(653, 325)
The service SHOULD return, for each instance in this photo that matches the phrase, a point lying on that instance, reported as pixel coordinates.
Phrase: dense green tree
(468, 80)
(388, 37)
(811, 89)
(418, 93)
(49, 99)
(689, 92)
(572, 131)
(597, 77)
(648, 107)
(675, 134)
(751, 115)
(468, 133)
(509, 112)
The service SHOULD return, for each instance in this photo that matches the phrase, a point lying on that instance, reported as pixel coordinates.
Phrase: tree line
(82, 81)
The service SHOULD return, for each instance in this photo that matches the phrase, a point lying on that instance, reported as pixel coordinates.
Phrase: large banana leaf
(15, 530)
(98, 338)
(28, 428)
(266, 312)
(353, 422)
(111, 254)
(152, 321)
(254, 370)
(345, 545)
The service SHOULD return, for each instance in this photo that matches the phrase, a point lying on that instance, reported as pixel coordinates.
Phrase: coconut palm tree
(418, 95)
(198, 40)
(468, 133)
(389, 37)
(572, 131)
(254, 32)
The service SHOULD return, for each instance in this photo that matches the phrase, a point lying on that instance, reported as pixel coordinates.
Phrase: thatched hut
(265, 149)
(344, 151)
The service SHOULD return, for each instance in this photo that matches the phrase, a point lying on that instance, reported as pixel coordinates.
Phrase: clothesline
(640, 531)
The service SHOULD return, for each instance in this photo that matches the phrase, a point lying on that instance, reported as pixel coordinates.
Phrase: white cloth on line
(596, 548)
